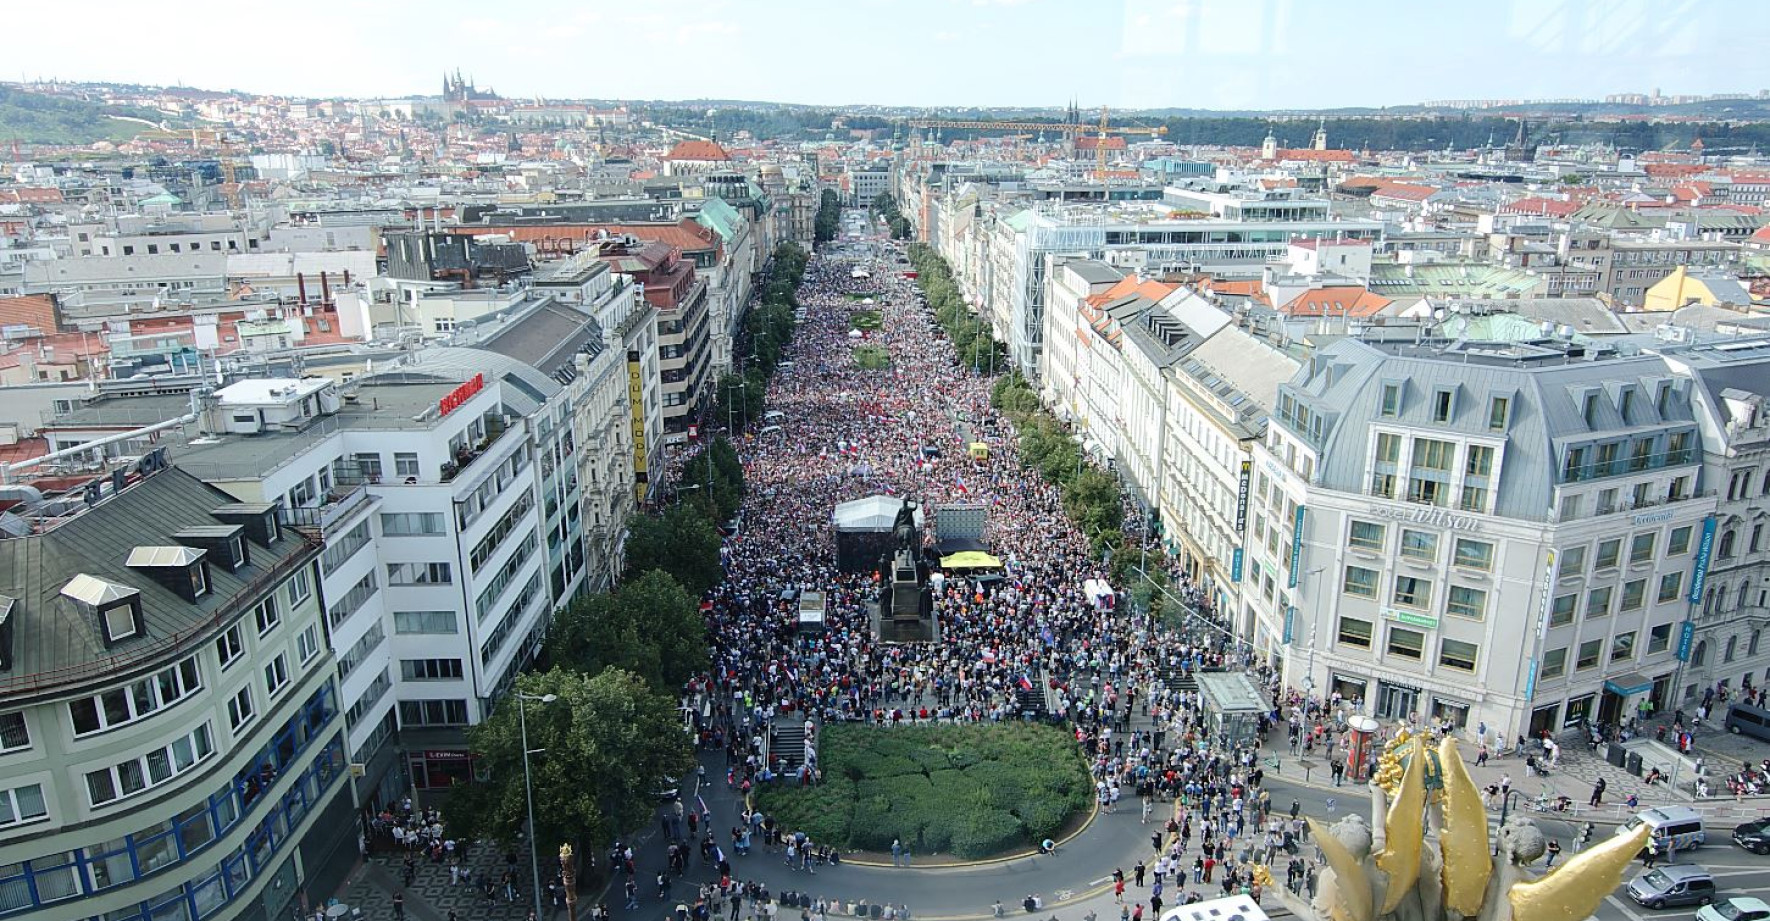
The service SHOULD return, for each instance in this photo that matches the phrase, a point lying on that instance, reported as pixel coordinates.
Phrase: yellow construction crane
(1100, 131)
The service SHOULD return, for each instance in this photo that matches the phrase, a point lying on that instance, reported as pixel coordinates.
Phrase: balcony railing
(1618, 466)
(467, 454)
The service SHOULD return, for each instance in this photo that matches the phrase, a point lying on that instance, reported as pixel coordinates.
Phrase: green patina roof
(1499, 327)
(719, 217)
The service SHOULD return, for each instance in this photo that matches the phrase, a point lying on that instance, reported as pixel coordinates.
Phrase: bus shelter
(1233, 707)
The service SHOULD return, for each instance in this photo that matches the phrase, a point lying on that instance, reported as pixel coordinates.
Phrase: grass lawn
(867, 319)
(872, 357)
(969, 790)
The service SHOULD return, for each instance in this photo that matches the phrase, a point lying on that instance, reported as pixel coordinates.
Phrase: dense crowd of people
(1043, 626)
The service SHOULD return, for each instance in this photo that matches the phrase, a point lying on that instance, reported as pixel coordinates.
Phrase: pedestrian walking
(1554, 851)
(1598, 788)
(399, 906)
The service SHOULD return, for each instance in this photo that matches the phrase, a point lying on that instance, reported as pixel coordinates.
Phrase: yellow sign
(636, 400)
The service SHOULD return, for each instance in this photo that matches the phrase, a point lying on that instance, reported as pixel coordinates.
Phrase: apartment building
(171, 736)
(1731, 387)
(1416, 509)
(422, 483)
(673, 287)
(1000, 255)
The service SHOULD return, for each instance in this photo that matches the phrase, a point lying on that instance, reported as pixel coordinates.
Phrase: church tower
(1269, 147)
(1321, 136)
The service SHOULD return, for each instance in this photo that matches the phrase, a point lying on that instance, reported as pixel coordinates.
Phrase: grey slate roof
(548, 338)
(54, 634)
(1343, 383)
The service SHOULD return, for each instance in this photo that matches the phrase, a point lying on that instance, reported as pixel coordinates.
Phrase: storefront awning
(1630, 683)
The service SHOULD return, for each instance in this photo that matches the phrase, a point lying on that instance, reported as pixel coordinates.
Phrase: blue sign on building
(1235, 566)
(1703, 551)
(1296, 546)
(1686, 633)
(1290, 623)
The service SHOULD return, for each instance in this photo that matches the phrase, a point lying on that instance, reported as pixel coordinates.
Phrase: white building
(1416, 510)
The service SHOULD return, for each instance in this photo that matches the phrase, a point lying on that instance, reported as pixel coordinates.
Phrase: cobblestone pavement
(432, 896)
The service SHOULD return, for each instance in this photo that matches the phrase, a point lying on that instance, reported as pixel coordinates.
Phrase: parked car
(1737, 908)
(1673, 885)
(1754, 836)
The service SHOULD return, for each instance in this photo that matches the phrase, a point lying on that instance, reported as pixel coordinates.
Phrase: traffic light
(1585, 834)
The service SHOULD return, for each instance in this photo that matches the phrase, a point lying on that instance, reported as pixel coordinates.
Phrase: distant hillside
(34, 118)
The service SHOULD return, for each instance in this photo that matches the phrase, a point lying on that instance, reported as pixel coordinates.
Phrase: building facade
(173, 742)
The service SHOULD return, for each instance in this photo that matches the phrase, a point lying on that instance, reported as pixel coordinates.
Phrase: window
(1573, 561)
(1472, 499)
(1409, 644)
(1589, 651)
(14, 734)
(307, 644)
(369, 465)
(229, 646)
(411, 524)
(299, 587)
(1727, 539)
(1634, 595)
(1554, 663)
(1391, 400)
(425, 622)
(1479, 462)
(1412, 592)
(1430, 454)
(18, 806)
(1561, 611)
(276, 675)
(405, 464)
(1457, 654)
(147, 771)
(1659, 638)
(1467, 602)
(1366, 535)
(1441, 403)
(1622, 646)
(1419, 545)
(1473, 554)
(1608, 553)
(1598, 601)
(433, 712)
(119, 622)
(1497, 409)
(419, 574)
(1360, 582)
(1641, 547)
(430, 669)
(136, 700)
(1731, 648)
(1355, 632)
(1388, 448)
(239, 709)
(1679, 542)
(266, 616)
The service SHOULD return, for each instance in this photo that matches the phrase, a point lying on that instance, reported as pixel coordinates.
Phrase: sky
(1211, 54)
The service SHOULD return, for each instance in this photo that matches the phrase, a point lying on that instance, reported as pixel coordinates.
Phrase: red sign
(461, 394)
(433, 755)
(693, 430)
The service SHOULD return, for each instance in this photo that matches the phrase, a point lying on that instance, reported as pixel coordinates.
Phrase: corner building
(172, 746)
(1498, 533)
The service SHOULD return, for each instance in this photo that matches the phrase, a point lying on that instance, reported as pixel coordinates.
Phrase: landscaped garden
(968, 790)
(872, 357)
(867, 320)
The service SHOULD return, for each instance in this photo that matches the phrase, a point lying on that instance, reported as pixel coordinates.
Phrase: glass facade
(192, 833)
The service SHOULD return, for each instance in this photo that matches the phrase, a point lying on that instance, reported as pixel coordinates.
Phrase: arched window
(1732, 647)
(1751, 648)
(1701, 655)
(1744, 593)
(1708, 601)
(1727, 538)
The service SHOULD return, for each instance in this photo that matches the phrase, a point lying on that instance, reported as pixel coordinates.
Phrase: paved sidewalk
(431, 897)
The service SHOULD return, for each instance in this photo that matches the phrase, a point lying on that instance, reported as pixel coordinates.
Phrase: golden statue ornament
(1425, 853)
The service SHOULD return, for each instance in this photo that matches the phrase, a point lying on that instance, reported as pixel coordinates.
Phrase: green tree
(604, 748)
(650, 626)
(681, 541)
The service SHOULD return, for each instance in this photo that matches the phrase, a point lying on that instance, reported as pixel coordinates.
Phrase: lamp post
(1314, 629)
(568, 879)
(1505, 810)
(528, 788)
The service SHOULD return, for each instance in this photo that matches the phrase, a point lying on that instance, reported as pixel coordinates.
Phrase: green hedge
(972, 790)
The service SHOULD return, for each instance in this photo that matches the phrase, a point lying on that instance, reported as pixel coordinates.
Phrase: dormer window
(182, 569)
(116, 609)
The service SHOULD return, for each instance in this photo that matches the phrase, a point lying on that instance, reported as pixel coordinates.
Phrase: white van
(1674, 828)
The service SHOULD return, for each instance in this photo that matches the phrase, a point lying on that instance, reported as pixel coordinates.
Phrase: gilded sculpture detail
(1425, 854)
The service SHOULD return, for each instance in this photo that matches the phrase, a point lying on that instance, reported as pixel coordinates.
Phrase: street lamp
(1505, 809)
(1314, 629)
(528, 788)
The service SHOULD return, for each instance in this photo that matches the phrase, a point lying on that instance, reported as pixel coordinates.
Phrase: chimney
(301, 289)
(325, 290)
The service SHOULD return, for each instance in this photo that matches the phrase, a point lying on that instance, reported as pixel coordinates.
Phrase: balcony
(467, 454)
(1584, 473)
(323, 520)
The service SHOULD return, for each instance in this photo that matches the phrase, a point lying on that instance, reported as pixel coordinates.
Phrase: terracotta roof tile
(698, 150)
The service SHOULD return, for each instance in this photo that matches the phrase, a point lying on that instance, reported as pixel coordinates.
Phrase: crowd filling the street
(1044, 637)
